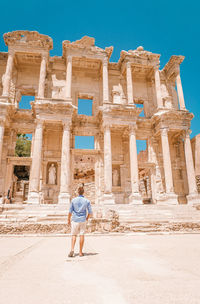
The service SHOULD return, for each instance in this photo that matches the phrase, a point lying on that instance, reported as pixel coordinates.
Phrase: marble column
(135, 197)
(158, 87)
(108, 196)
(69, 77)
(180, 91)
(41, 85)
(64, 196)
(34, 183)
(105, 80)
(1, 140)
(8, 74)
(129, 82)
(193, 193)
(171, 197)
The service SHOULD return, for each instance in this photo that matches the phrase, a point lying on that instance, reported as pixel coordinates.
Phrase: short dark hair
(80, 190)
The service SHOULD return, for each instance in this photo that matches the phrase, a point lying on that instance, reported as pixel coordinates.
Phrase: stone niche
(51, 174)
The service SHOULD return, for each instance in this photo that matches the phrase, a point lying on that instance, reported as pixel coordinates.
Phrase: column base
(168, 199)
(193, 199)
(33, 198)
(135, 199)
(108, 199)
(64, 198)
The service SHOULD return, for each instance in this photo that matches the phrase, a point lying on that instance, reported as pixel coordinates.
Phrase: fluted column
(167, 162)
(129, 82)
(64, 196)
(158, 87)
(108, 196)
(34, 183)
(8, 74)
(41, 86)
(69, 77)
(193, 193)
(1, 140)
(105, 80)
(180, 91)
(135, 197)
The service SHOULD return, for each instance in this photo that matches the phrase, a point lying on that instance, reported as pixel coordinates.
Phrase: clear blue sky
(164, 27)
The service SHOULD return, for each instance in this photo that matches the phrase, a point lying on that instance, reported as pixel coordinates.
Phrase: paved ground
(153, 269)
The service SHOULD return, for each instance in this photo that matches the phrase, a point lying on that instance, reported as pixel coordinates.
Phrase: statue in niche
(52, 175)
(115, 178)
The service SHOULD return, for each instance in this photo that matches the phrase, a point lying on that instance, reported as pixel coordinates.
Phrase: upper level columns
(33, 196)
(105, 80)
(64, 196)
(69, 77)
(8, 74)
(129, 82)
(135, 197)
(158, 87)
(1, 140)
(41, 86)
(193, 193)
(180, 90)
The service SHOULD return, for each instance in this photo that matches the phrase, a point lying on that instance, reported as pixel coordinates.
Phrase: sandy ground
(155, 269)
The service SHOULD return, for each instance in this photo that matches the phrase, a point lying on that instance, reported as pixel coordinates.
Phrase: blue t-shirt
(79, 207)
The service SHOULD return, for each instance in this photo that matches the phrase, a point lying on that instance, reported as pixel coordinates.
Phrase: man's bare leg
(73, 242)
(81, 245)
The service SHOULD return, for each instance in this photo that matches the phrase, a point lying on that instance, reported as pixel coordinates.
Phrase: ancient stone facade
(112, 172)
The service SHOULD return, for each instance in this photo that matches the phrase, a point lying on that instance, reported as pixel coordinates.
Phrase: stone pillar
(193, 193)
(64, 196)
(41, 85)
(34, 183)
(135, 197)
(108, 196)
(129, 82)
(8, 74)
(158, 87)
(171, 197)
(69, 77)
(105, 81)
(180, 91)
(1, 140)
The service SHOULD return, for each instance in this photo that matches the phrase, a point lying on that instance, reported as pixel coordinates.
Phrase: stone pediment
(27, 38)
(139, 54)
(87, 44)
(85, 41)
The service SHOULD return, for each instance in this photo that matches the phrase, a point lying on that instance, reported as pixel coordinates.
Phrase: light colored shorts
(78, 228)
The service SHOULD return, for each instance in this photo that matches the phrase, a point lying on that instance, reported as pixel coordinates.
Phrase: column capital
(106, 127)
(132, 129)
(128, 63)
(44, 56)
(66, 125)
(69, 58)
(105, 61)
(156, 67)
(164, 131)
(187, 133)
(11, 52)
(39, 122)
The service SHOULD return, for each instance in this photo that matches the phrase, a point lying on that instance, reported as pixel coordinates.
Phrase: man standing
(80, 210)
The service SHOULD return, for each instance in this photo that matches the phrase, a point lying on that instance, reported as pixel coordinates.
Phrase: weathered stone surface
(112, 172)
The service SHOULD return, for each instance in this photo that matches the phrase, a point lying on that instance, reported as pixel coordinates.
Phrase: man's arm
(69, 218)
(70, 214)
(89, 208)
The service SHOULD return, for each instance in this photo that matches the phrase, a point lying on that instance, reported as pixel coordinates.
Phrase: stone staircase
(44, 219)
